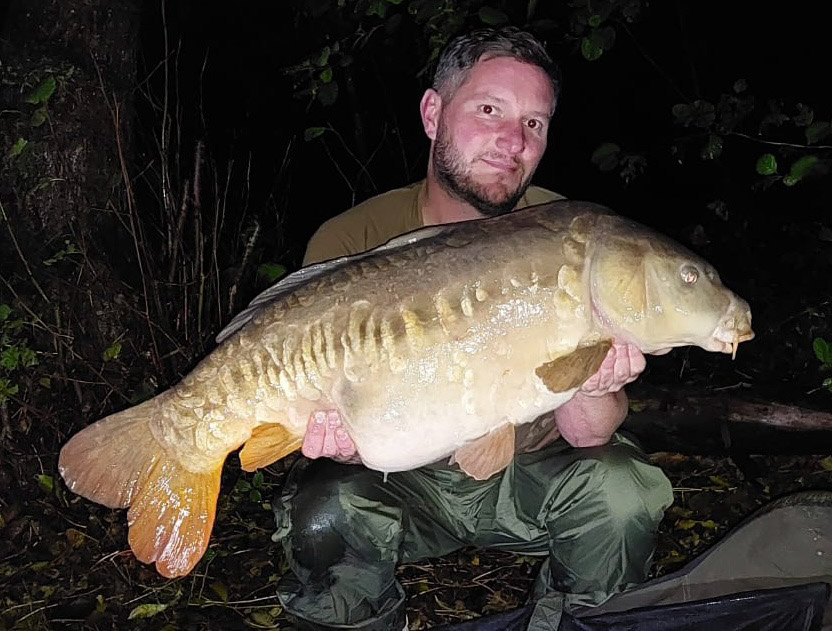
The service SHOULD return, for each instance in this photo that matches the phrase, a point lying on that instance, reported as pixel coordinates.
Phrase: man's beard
(452, 174)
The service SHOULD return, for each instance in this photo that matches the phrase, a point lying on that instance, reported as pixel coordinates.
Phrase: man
(576, 490)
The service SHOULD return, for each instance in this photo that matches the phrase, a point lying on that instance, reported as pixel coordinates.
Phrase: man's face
(491, 134)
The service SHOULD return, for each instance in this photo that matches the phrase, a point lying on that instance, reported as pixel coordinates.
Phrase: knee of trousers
(622, 486)
(330, 513)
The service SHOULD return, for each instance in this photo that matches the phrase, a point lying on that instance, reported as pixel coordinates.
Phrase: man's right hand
(325, 437)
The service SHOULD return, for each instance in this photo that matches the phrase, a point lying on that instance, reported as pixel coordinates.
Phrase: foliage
(357, 36)
(823, 351)
(708, 128)
(16, 356)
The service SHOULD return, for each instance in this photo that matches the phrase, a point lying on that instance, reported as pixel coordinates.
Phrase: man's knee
(328, 511)
(630, 489)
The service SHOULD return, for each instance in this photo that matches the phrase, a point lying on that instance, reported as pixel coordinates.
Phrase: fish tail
(119, 463)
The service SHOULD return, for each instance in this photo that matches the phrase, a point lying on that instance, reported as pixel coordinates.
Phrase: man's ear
(430, 108)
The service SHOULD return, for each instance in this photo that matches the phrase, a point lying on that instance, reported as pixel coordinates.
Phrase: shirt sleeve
(329, 242)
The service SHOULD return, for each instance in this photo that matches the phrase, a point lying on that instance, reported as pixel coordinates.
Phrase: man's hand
(623, 363)
(325, 437)
(591, 417)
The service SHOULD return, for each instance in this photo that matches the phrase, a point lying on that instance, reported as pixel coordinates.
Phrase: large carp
(433, 346)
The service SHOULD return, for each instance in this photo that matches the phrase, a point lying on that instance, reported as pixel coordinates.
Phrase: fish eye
(689, 274)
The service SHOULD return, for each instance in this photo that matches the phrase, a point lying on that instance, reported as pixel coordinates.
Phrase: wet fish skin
(425, 347)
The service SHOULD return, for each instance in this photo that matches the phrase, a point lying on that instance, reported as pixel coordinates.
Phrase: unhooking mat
(773, 572)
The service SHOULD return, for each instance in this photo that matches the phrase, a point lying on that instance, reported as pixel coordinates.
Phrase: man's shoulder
(366, 224)
(374, 208)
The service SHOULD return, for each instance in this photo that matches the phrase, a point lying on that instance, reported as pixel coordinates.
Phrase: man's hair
(462, 53)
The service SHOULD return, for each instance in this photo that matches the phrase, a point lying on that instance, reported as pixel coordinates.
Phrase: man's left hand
(622, 365)
(591, 417)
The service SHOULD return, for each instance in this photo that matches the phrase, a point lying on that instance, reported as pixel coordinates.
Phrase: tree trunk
(687, 420)
(69, 70)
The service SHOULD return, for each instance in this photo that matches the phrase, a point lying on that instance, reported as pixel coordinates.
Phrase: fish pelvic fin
(267, 444)
(118, 462)
(570, 371)
(487, 455)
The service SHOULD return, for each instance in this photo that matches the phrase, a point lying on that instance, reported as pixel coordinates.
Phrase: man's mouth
(501, 164)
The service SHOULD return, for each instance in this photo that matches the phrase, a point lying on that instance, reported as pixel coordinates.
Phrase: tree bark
(688, 420)
(69, 71)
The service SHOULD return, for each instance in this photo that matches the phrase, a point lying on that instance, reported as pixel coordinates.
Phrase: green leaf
(310, 133)
(823, 350)
(28, 357)
(42, 93)
(146, 611)
(10, 358)
(7, 389)
(606, 156)
(17, 148)
(220, 590)
(326, 74)
(38, 117)
(740, 86)
(377, 7)
(766, 164)
(262, 619)
(46, 382)
(592, 46)
(100, 606)
(594, 20)
(713, 148)
(270, 272)
(800, 169)
(255, 496)
(111, 352)
(257, 480)
(817, 131)
(491, 16)
(5, 310)
(323, 58)
(45, 482)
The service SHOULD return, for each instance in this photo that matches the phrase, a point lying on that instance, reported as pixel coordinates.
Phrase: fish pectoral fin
(171, 519)
(487, 455)
(267, 444)
(570, 371)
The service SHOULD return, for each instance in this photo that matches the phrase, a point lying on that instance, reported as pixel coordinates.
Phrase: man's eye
(487, 109)
(533, 123)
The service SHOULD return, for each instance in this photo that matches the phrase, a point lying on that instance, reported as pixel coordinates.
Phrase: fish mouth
(734, 328)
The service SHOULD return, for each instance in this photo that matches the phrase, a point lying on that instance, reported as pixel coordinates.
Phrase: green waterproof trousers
(344, 528)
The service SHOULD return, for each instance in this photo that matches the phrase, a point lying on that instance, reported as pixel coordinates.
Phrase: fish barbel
(434, 345)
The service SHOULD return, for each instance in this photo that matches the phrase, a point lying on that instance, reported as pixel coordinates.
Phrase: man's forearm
(589, 421)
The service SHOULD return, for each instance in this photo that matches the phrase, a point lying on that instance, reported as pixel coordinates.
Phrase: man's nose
(511, 138)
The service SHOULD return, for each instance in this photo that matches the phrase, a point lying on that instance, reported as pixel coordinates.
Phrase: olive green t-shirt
(379, 219)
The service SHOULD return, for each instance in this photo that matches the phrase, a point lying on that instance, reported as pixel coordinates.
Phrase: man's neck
(440, 207)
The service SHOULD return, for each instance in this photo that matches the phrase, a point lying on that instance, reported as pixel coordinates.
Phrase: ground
(65, 563)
